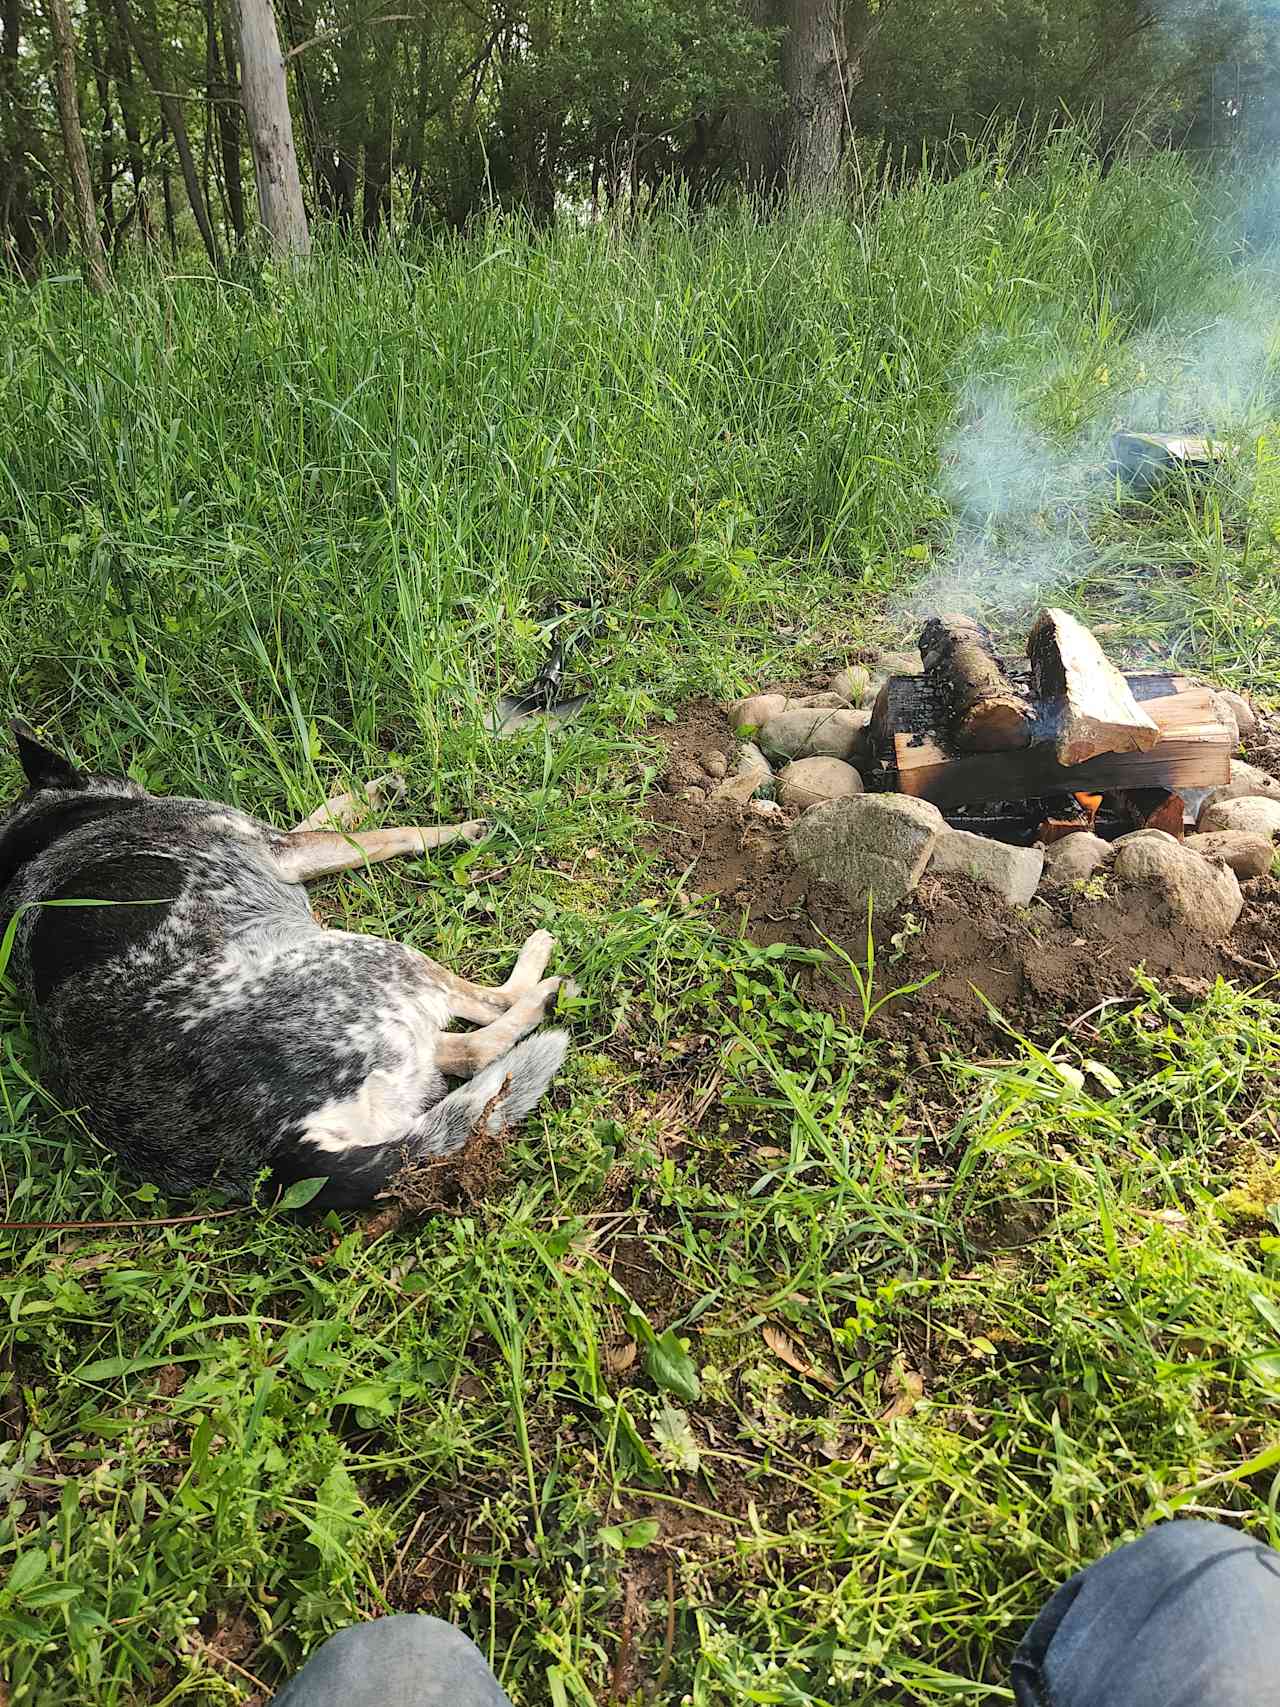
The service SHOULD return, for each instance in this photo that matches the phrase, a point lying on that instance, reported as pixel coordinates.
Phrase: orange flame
(1090, 802)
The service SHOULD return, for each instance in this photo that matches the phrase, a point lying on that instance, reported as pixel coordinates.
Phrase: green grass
(840, 1377)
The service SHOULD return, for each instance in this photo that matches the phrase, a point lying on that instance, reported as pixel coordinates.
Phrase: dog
(210, 1029)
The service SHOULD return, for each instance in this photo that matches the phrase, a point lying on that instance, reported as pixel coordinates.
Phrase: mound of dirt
(1040, 966)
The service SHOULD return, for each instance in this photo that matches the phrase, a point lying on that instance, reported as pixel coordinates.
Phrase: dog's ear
(43, 767)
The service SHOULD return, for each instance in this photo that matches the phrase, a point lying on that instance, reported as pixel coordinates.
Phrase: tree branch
(360, 24)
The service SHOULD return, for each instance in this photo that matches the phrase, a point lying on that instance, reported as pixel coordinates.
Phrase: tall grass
(337, 498)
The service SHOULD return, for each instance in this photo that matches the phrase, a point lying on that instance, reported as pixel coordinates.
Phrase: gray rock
(828, 700)
(1075, 858)
(756, 710)
(1198, 896)
(1247, 853)
(715, 764)
(808, 782)
(1246, 782)
(853, 684)
(1225, 714)
(764, 809)
(751, 773)
(898, 664)
(1147, 835)
(872, 847)
(1252, 813)
(1245, 716)
(1013, 873)
(813, 734)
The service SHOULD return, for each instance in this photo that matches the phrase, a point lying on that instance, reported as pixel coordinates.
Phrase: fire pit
(1092, 807)
(1037, 749)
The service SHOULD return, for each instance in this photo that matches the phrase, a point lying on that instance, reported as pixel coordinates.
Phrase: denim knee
(408, 1660)
(1187, 1615)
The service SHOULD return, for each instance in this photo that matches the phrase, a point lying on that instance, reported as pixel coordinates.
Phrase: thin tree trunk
(118, 59)
(377, 177)
(166, 186)
(94, 255)
(171, 107)
(106, 132)
(266, 106)
(21, 216)
(229, 132)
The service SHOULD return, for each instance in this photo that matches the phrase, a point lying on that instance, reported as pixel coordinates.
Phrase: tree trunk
(22, 220)
(106, 133)
(377, 178)
(118, 60)
(266, 106)
(171, 107)
(224, 96)
(812, 68)
(94, 255)
(758, 132)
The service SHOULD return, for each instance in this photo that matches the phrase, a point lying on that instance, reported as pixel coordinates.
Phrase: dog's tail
(499, 1095)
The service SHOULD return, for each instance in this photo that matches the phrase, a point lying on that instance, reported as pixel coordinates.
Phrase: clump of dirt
(444, 1184)
(1038, 966)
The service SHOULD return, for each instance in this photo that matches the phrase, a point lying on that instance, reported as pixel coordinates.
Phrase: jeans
(406, 1661)
(1188, 1616)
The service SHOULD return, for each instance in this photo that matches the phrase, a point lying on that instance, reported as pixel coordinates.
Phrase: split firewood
(1194, 751)
(1093, 708)
(984, 711)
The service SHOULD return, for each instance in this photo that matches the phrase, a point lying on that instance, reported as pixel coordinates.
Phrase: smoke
(1013, 493)
(1025, 503)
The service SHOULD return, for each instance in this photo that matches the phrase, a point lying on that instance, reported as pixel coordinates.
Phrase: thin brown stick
(211, 1653)
(102, 1226)
(668, 1646)
(629, 1602)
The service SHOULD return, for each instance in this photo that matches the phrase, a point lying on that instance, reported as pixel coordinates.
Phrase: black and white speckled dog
(213, 1028)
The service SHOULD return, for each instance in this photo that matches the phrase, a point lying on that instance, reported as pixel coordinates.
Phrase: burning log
(1068, 814)
(1192, 750)
(1153, 809)
(985, 712)
(1094, 712)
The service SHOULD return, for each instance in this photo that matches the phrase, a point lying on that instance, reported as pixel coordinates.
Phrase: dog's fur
(209, 1028)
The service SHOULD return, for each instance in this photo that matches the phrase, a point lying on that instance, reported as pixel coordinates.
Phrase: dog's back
(195, 1011)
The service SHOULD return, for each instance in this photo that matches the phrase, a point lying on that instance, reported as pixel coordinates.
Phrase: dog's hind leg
(460, 1054)
(304, 854)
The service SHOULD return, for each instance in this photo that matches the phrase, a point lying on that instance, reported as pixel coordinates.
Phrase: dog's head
(48, 772)
(59, 798)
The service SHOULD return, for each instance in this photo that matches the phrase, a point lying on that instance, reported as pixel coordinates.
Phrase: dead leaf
(620, 1356)
(907, 1389)
(782, 1347)
(1168, 1217)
